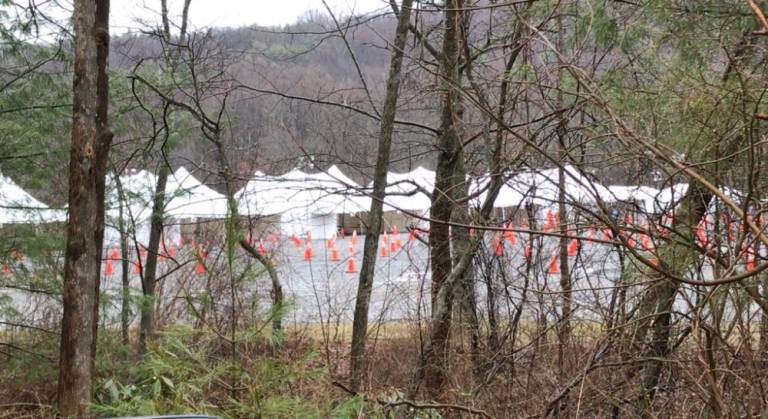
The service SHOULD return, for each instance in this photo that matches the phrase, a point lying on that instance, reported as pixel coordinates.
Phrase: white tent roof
(297, 191)
(645, 196)
(404, 190)
(541, 188)
(335, 173)
(138, 190)
(669, 197)
(189, 198)
(19, 207)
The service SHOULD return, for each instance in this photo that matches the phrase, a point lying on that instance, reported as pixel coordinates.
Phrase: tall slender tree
(91, 140)
(450, 158)
(370, 247)
(157, 222)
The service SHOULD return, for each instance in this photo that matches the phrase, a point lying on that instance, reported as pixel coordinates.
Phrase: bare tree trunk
(564, 329)
(370, 246)
(125, 309)
(147, 326)
(460, 242)
(91, 140)
(763, 343)
(675, 258)
(277, 289)
(443, 203)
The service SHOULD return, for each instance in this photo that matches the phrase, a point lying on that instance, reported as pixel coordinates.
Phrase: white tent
(644, 196)
(409, 191)
(135, 203)
(19, 207)
(138, 189)
(305, 202)
(669, 197)
(188, 198)
(542, 188)
(578, 187)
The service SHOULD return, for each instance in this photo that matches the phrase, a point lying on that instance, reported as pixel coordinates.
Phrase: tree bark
(564, 327)
(125, 309)
(450, 158)
(370, 246)
(147, 326)
(91, 140)
(675, 258)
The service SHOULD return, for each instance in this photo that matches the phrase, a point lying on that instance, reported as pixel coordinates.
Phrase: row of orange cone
(168, 251)
(390, 243)
(388, 246)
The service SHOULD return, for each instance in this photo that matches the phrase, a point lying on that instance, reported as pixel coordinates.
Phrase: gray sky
(204, 13)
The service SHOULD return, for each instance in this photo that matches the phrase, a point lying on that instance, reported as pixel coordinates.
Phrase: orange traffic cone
(527, 250)
(702, 235)
(383, 250)
(645, 241)
(114, 254)
(412, 235)
(393, 246)
(354, 238)
(261, 249)
(750, 260)
(498, 246)
(573, 247)
(308, 252)
(553, 265)
(607, 234)
(396, 237)
(296, 241)
(6, 269)
(351, 265)
(510, 235)
(136, 267)
(199, 268)
(335, 254)
(108, 268)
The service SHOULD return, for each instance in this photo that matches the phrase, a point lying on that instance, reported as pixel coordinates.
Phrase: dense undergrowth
(189, 371)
